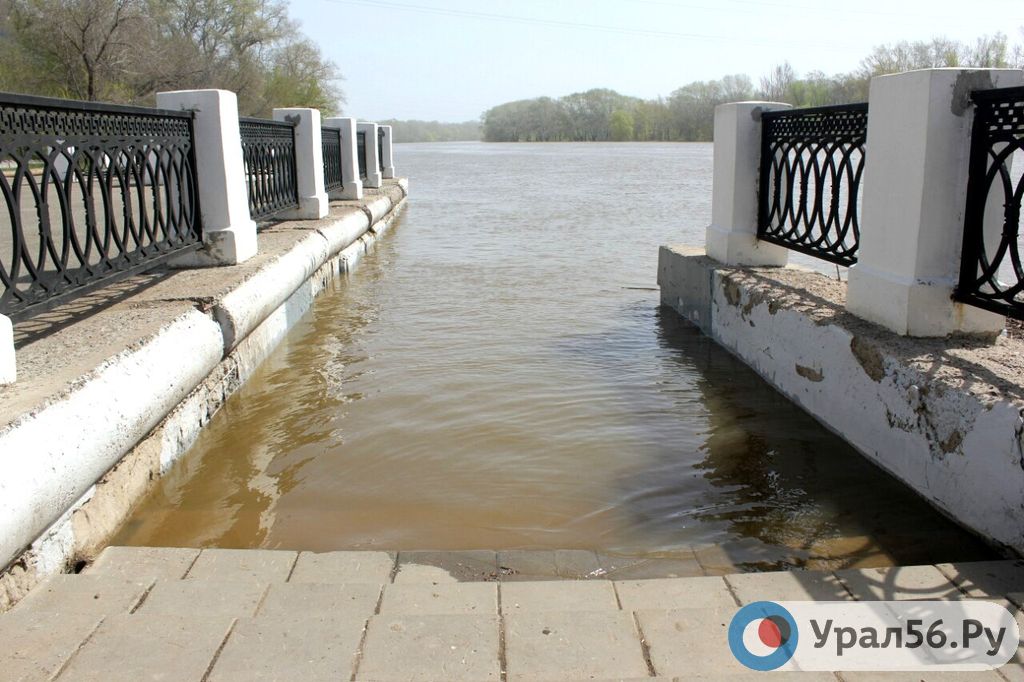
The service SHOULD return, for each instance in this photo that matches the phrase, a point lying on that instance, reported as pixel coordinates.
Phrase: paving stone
(156, 647)
(986, 578)
(94, 594)
(1014, 670)
(564, 595)
(688, 642)
(236, 599)
(684, 593)
(167, 563)
(898, 583)
(577, 563)
(754, 676)
(261, 565)
(308, 649)
(787, 586)
(438, 567)
(427, 648)
(561, 646)
(35, 645)
(373, 568)
(418, 599)
(358, 600)
(516, 565)
(640, 568)
(715, 561)
(924, 676)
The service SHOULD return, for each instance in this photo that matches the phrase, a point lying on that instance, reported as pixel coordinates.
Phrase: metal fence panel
(268, 150)
(812, 163)
(93, 193)
(331, 143)
(991, 274)
(361, 153)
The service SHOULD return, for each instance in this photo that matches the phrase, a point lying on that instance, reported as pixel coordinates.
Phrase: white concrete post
(352, 185)
(373, 178)
(388, 162)
(914, 196)
(8, 370)
(732, 236)
(309, 163)
(229, 233)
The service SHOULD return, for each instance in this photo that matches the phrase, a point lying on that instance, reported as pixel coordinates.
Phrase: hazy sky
(451, 60)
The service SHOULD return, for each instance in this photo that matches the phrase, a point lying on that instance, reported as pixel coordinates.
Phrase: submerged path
(497, 374)
(246, 615)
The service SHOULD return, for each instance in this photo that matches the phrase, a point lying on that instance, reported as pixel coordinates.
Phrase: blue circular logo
(776, 632)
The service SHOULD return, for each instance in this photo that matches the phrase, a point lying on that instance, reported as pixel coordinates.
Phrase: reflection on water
(498, 374)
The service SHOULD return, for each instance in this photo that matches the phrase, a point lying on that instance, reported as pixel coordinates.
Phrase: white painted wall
(914, 196)
(388, 162)
(177, 378)
(229, 233)
(8, 367)
(309, 163)
(352, 184)
(960, 451)
(732, 236)
(373, 175)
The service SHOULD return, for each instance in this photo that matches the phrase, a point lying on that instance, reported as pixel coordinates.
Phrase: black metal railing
(812, 163)
(361, 153)
(93, 193)
(991, 273)
(380, 148)
(331, 144)
(268, 150)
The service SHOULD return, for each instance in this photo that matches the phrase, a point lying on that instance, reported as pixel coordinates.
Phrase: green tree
(621, 126)
(127, 50)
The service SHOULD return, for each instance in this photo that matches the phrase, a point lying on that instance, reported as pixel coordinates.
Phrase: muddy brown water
(498, 374)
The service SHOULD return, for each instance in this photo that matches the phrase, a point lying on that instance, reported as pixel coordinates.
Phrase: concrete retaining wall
(76, 464)
(942, 415)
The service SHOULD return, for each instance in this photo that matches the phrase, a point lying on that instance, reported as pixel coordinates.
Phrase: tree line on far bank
(433, 131)
(125, 51)
(687, 114)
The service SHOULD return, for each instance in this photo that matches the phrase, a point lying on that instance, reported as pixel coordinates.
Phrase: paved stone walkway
(184, 614)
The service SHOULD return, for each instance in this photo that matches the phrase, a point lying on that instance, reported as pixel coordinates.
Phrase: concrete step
(139, 614)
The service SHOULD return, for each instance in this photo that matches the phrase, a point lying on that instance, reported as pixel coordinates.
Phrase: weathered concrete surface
(114, 387)
(942, 415)
(195, 627)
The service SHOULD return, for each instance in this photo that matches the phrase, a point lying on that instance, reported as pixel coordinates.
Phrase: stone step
(140, 614)
(417, 566)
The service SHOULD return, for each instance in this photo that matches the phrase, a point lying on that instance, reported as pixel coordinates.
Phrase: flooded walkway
(497, 375)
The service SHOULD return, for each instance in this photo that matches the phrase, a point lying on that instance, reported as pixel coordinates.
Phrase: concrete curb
(933, 413)
(63, 497)
(47, 469)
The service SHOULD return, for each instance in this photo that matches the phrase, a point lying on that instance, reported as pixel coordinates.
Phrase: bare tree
(776, 84)
(85, 45)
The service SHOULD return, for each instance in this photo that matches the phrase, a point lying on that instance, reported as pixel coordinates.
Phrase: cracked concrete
(77, 452)
(942, 415)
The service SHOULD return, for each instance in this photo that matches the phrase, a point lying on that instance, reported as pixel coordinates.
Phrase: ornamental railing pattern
(380, 148)
(991, 273)
(361, 153)
(93, 193)
(812, 163)
(331, 143)
(268, 150)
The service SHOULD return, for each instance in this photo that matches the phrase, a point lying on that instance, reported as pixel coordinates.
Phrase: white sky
(451, 60)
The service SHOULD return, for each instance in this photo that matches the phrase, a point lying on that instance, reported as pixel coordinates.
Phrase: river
(497, 373)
